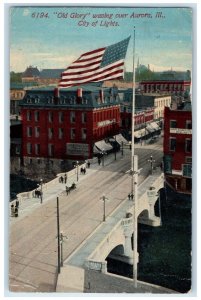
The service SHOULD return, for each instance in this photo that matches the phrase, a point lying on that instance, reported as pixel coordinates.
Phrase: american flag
(97, 65)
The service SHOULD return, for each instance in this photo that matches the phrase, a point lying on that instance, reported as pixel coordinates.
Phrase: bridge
(113, 238)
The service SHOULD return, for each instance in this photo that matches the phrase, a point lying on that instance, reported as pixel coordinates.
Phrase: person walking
(12, 210)
(16, 211)
(17, 203)
(99, 161)
(88, 164)
(65, 178)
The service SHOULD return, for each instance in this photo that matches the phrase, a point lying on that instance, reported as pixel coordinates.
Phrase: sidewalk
(54, 188)
(51, 190)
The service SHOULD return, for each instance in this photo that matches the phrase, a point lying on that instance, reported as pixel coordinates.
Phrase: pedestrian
(62, 179)
(67, 190)
(12, 210)
(84, 171)
(81, 170)
(17, 203)
(16, 211)
(99, 161)
(129, 196)
(88, 164)
(65, 178)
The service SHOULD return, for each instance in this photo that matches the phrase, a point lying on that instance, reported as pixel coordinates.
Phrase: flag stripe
(87, 59)
(95, 78)
(92, 52)
(82, 67)
(79, 72)
(89, 74)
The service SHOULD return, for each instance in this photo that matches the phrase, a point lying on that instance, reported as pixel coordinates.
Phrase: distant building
(30, 74)
(172, 87)
(149, 100)
(178, 148)
(17, 93)
(66, 124)
(50, 76)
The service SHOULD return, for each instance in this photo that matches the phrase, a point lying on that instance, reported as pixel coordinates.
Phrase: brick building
(173, 87)
(66, 124)
(178, 148)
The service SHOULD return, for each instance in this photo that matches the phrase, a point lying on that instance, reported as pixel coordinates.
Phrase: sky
(53, 37)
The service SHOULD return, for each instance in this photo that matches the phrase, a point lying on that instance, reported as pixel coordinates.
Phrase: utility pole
(134, 177)
(58, 237)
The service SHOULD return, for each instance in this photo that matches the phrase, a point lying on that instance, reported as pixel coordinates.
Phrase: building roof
(23, 85)
(31, 72)
(51, 73)
(44, 96)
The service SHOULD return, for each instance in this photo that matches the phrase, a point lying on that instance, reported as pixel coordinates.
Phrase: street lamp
(61, 239)
(151, 160)
(77, 168)
(122, 148)
(103, 153)
(103, 198)
(41, 190)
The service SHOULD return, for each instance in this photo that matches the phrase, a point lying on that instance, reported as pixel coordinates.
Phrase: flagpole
(134, 176)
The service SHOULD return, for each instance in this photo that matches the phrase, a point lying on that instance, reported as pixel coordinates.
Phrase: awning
(150, 128)
(119, 138)
(140, 133)
(102, 146)
(155, 126)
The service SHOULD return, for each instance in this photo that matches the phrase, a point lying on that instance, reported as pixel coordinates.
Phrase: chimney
(56, 95)
(79, 95)
(101, 95)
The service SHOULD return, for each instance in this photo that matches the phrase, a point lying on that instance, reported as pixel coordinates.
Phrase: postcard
(100, 149)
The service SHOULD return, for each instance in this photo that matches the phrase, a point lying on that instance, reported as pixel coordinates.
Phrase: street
(33, 238)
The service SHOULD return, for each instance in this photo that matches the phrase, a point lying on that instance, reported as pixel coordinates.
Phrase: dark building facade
(178, 148)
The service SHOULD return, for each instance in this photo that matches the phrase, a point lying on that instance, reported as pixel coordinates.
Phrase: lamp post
(103, 153)
(77, 168)
(61, 239)
(41, 190)
(122, 148)
(103, 198)
(151, 160)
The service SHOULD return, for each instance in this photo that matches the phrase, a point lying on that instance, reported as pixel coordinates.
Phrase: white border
(4, 134)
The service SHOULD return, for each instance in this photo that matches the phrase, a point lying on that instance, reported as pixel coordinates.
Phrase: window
(84, 133)
(50, 133)
(36, 116)
(17, 149)
(50, 149)
(188, 145)
(37, 149)
(187, 170)
(84, 117)
(172, 144)
(61, 133)
(29, 131)
(29, 148)
(50, 116)
(188, 124)
(173, 124)
(72, 117)
(61, 117)
(37, 132)
(28, 115)
(72, 133)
